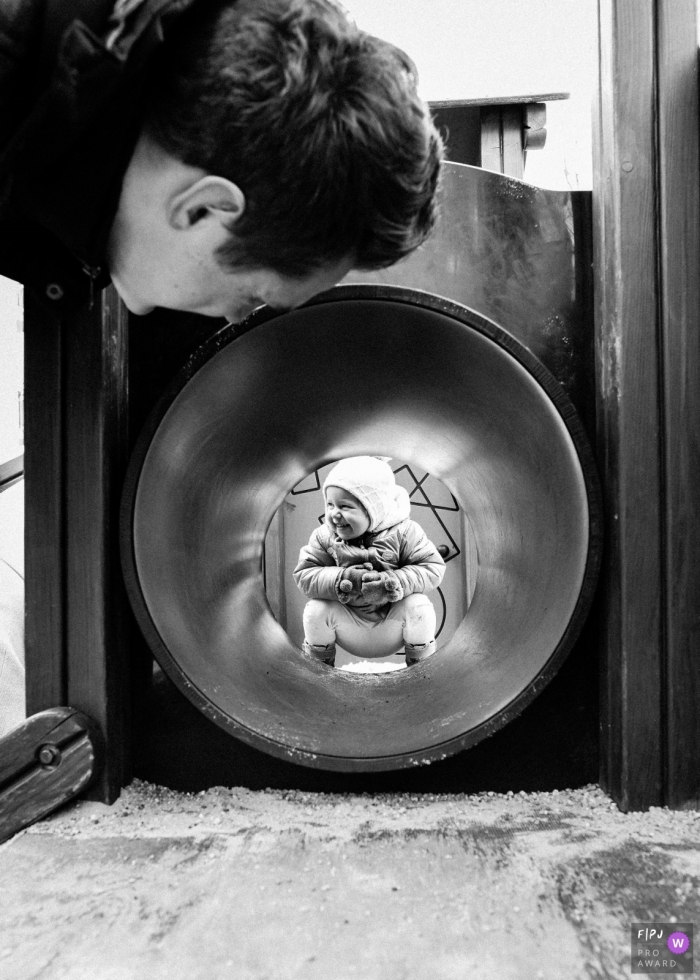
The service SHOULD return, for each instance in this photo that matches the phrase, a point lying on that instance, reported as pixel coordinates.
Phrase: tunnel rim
(226, 335)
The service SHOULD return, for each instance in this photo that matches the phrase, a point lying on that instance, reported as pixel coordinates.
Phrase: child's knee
(419, 628)
(419, 609)
(316, 612)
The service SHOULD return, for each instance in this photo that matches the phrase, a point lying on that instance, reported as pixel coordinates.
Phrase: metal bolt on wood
(49, 755)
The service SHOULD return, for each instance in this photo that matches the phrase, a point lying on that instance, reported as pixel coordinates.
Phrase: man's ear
(208, 197)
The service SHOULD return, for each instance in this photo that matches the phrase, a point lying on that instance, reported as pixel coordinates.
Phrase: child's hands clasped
(362, 580)
(382, 587)
(352, 580)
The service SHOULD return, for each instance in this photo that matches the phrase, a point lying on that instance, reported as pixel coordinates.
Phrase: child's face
(345, 512)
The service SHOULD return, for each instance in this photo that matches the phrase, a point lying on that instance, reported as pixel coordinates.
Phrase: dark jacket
(73, 74)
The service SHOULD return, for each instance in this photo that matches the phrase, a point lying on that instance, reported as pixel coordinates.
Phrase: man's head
(281, 147)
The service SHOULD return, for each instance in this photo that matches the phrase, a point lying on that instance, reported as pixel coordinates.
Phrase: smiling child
(367, 568)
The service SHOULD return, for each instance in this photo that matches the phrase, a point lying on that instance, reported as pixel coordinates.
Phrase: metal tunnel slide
(374, 369)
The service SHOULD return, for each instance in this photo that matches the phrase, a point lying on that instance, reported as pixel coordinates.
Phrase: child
(366, 569)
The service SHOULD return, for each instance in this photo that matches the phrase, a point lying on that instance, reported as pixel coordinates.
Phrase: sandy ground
(271, 885)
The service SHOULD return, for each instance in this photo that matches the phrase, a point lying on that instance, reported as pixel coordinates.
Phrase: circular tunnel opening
(377, 371)
(438, 515)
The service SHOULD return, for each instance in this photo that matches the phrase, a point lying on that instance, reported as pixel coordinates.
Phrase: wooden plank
(499, 100)
(502, 140)
(627, 364)
(513, 162)
(491, 137)
(98, 618)
(43, 531)
(44, 762)
(679, 174)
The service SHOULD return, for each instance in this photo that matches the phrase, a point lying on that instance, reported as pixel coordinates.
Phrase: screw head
(49, 755)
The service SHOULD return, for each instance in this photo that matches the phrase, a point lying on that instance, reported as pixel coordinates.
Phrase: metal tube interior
(425, 382)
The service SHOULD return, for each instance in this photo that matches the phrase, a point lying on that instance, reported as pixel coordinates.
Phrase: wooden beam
(499, 100)
(502, 148)
(43, 525)
(491, 149)
(98, 618)
(512, 138)
(679, 236)
(646, 266)
(79, 625)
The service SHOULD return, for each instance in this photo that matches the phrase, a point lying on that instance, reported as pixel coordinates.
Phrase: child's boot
(415, 652)
(320, 651)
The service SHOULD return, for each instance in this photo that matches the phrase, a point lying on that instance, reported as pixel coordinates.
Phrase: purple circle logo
(678, 943)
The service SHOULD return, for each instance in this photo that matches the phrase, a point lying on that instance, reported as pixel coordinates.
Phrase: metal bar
(11, 472)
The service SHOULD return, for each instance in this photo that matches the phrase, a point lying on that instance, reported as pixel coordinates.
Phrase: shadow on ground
(551, 745)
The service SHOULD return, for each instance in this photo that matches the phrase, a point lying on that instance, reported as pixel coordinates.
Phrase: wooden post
(502, 146)
(507, 132)
(679, 179)
(43, 525)
(647, 263)
(78, 619)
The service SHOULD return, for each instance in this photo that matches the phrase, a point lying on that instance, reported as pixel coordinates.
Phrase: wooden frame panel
(679, 191)
(43, 528)
(646, 258)
(79, 623)
(98, 617)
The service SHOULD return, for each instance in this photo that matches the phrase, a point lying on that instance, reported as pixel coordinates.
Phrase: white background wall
(11, 368)
(471, 49)
(11, 432)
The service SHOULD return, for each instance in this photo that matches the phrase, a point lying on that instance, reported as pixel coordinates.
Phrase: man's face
(205, 287)
(170, 222)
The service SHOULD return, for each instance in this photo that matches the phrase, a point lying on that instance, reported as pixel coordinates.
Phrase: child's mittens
(374, 592)
(349, 585)
(394, 589)
(384, 588)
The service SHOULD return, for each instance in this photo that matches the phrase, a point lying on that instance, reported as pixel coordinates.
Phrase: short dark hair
(318, 122)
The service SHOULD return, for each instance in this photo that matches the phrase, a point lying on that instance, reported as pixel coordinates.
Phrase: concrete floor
(275, 885)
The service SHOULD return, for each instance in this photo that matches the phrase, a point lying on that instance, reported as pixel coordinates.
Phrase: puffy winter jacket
(403, 548)
(72, 78)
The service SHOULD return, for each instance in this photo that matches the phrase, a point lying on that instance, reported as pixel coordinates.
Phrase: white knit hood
(372, 481)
